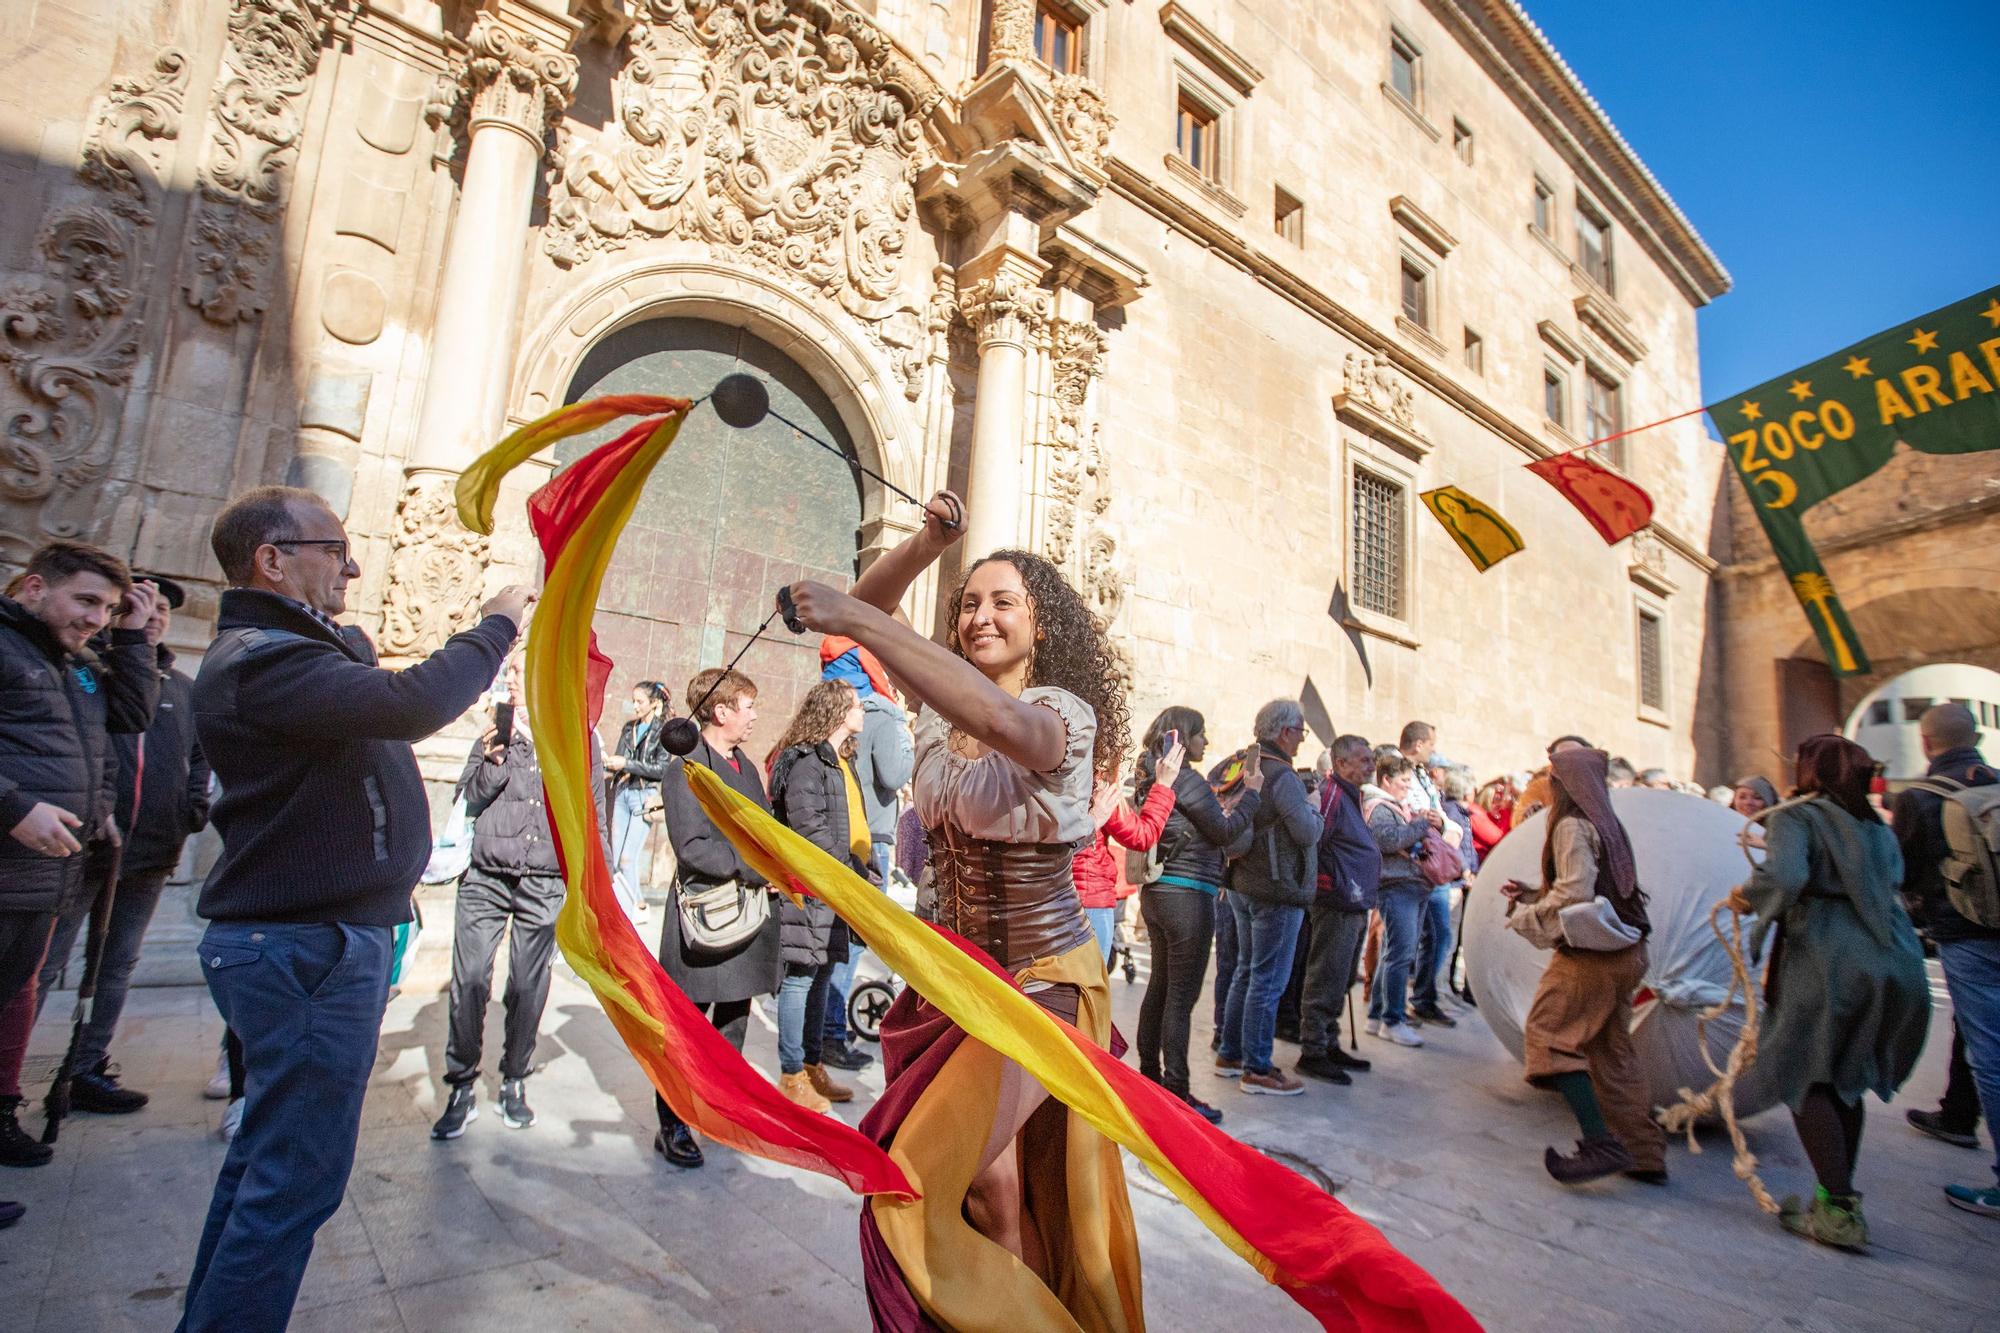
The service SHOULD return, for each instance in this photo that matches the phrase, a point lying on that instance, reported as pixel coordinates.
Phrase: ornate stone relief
(505, 76)
(1011, 34)
(1076, 351)
(1004, 307)
(1375, 382)
(70, 337)
(788, 136)
(435, 573)
(253, 140)
(1084, 118)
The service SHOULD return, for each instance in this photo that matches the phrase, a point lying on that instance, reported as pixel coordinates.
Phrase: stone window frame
(1474, 353)
(1288, 216)
(1060, 13)
(1596, 371)
(1464, 143)
(1588, 209)
(1364, 453)
(1558, 377)
(1542, 219)
(1205, 71)
(1422, 244)
(1650, 606)
(1401, 43)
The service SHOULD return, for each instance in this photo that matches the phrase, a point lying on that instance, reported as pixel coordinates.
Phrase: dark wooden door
(726, 519)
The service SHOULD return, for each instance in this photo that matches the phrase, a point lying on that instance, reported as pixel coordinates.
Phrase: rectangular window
(1603, 411)
(1555, 397)
(1378, 544)
(1461, 141)
(1475, 353)
(1288, 218)
(1878, 713)
(1195, 138)
(1545, 208)
(1593, 243)
(1914, 709)
(1416, 293)
(1404, 75)
(1652, 664)
(1058, 39)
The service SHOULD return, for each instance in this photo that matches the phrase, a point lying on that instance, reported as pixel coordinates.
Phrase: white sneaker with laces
(1402, 1034)
(218, 1083)
(1374, 1028)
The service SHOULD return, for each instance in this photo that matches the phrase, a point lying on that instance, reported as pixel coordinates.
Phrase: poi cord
(1720, 1096)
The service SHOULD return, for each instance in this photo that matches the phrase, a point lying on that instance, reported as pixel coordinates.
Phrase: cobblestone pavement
(574, 1224)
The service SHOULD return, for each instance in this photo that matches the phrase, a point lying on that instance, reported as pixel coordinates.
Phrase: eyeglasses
(338, 544)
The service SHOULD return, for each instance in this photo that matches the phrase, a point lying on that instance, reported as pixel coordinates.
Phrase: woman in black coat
(1178, 906)
(814, 793)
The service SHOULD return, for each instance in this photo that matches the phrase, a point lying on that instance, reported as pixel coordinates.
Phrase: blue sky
(1842, 158)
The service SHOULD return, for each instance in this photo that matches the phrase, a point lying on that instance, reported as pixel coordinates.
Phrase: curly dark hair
(1073, 651)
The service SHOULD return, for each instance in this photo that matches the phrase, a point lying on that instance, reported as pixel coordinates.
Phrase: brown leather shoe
(798, 1088)
(824, 1084)
(1594, 1159)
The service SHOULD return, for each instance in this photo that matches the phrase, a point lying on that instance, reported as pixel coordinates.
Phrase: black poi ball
(680, 736)
(741, 400)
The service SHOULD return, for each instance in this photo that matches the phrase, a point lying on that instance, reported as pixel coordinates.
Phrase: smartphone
(503, 722)
(1168, 740)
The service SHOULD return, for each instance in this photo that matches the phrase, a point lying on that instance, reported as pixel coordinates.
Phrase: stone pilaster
(513, 83)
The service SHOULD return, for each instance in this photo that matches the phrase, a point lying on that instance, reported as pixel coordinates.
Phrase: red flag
(1617, 508)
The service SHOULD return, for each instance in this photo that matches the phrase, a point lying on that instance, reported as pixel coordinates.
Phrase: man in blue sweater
(325, 829)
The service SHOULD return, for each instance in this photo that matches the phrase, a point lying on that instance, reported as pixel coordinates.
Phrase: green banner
(1933, 384)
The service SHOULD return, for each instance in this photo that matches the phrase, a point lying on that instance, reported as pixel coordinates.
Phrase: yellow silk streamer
(984, 1006)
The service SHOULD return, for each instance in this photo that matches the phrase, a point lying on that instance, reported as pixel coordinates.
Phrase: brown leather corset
(1016, 900)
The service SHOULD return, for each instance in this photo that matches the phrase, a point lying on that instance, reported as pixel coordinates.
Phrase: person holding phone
(1139, 829)
(1179, 903)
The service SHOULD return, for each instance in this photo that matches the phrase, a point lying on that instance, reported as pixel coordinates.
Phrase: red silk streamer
(1617, 508)
(577, 518)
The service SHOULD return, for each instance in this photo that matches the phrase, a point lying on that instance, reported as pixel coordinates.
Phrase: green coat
(1849, 1001)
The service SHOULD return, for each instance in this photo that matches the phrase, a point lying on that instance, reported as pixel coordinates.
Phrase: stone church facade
(1193, 297)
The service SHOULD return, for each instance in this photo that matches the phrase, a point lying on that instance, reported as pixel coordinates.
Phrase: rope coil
(1719, 1098)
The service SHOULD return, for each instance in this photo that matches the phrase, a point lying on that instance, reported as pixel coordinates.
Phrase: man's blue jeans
(883, 857)
(1266, 935)
(1972, 975)
(306, 1001)
(628, 846)
(1402, 907)
(1434, 948)
(1103, 924)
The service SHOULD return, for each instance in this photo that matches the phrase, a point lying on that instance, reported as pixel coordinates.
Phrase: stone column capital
(515, 78)
(1002, 300)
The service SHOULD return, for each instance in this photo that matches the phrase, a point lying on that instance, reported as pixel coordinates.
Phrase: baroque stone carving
(1076, 352)
(511, 77)
(788, 135)
(1083, 118)
(69, 338)
(1375, 382)
(435, 572)
(1004, 308)
(254, 127)
(1011, 34)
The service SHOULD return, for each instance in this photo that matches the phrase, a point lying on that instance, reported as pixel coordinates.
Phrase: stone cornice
(1525, 65)
(1148, 195)
(1195, 37)
(1422, 225)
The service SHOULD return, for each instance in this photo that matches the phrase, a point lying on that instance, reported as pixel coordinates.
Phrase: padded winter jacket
(1199, 833)
(809, 797)
(172, 785)
(510, 821)
(57, 714)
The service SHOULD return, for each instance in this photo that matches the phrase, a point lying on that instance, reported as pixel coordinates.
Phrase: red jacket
(1486, 830)
(1096, 866)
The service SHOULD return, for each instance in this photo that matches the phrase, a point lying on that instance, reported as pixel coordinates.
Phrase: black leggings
(1180, 926)
(732, 1019)
(1830, 1129)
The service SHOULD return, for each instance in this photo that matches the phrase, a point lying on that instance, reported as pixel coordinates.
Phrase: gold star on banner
(1923, 342)
(1752, 411)
(1857, 366)
(1992, 313)
(1801, 389)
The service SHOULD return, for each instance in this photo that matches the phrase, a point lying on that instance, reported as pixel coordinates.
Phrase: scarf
(1581, 775)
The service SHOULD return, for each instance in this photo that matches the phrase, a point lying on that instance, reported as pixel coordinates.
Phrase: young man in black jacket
(514, 877)
(60, 702)
(160, 804)
(325, 828)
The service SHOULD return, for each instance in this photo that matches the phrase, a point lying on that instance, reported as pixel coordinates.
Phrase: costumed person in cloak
(1849, 1002)
(1591, 912)
(1023, 1217)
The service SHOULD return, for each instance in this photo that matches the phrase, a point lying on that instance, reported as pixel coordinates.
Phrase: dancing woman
(1023, 1216)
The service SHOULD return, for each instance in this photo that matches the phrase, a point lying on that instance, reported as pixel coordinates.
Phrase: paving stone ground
(576, 1225)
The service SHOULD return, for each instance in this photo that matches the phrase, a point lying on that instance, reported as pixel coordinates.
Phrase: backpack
(1971, 871)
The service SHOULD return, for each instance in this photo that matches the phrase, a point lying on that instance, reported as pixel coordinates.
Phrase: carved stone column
(1003, 309)
(515, 83)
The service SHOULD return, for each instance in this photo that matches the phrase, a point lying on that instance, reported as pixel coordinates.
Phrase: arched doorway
(1885, 722)
(727, 517)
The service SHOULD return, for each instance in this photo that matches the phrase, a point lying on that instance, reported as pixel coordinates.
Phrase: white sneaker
(1402, 1034)
(1374, 1028)
(232, 1120)
(218, 1083)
